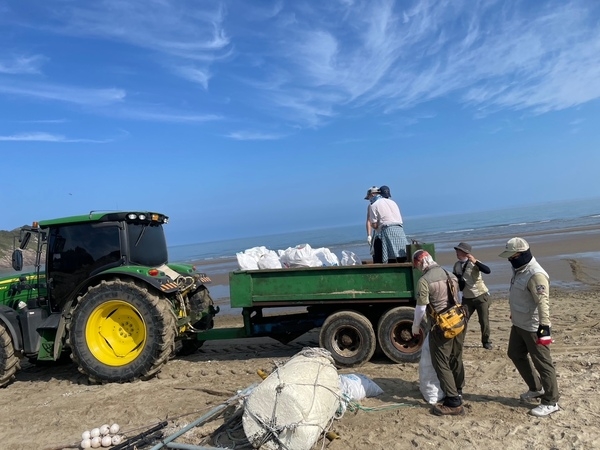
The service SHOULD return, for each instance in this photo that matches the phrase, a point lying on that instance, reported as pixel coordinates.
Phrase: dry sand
(48, 407)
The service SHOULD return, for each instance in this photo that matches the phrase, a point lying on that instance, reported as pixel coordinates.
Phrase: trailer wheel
(9, 362)
(349, 337)
(121, 332)
(395, 336)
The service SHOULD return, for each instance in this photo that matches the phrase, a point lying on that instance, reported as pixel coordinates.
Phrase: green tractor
(101, 290)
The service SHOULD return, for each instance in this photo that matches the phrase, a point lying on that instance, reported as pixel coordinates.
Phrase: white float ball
(104, 429)
(114, 428)
(116, 439)
(86, 443)
(96, 441)
(86, 435)
(106, 441)
(95, 432)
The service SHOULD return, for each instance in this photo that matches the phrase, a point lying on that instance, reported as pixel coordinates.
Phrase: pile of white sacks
(299, 256)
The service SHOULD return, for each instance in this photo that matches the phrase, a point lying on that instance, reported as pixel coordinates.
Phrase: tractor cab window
(76, 251)
(147, 244)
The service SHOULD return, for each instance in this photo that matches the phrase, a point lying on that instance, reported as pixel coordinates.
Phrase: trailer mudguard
(10, 319)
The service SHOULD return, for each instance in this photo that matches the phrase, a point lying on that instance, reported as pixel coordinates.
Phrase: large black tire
(9, 362)
(349, 337)
(121, 332)
(395, 337)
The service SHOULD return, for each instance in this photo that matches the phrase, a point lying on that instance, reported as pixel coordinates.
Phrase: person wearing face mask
(385, 217)
(373, 237)
(476, 297)
(530, 336)
(446, 353)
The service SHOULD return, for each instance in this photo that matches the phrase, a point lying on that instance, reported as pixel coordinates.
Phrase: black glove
(544, 335)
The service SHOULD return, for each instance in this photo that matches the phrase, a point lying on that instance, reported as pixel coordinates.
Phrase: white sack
(269, 260)
(248, 259)
(326, 257)
(246, 262)
(356, 386)
(429, 384)
(350, 259)
(300, 256)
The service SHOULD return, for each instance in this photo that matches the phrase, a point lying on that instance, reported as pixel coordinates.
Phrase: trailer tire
(395, 337)
(9, 362)
(349, 337)
(121, 332)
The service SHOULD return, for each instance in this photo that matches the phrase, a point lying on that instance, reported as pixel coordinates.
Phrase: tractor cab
(71, 251)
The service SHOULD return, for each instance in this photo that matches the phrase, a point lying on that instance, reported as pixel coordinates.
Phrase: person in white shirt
(386, 219)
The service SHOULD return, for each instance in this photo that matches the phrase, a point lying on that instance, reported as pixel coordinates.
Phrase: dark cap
(385, 192)
(463, 246)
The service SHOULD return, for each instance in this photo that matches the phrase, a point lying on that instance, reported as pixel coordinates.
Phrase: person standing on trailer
(386, 219)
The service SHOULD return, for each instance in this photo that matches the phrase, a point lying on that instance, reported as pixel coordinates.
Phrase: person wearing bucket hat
(530, 334)
(385, 217)
(373, 237)
(476, 296)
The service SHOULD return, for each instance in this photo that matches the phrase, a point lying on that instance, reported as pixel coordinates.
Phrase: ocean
(444, 231)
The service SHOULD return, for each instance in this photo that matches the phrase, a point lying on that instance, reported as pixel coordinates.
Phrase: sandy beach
(48, 407)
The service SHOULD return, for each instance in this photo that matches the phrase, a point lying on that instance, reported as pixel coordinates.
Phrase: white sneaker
(544, 410)
(531, 395)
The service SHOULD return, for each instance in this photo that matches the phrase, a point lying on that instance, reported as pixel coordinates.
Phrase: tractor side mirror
(17, 259)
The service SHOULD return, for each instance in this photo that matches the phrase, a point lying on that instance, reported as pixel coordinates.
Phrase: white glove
(416, 330)
(369, 239)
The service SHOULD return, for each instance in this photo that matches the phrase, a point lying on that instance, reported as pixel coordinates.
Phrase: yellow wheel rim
(115, 333)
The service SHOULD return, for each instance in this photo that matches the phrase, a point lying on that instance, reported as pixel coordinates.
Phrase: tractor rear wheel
(9, 362)
(121, 331)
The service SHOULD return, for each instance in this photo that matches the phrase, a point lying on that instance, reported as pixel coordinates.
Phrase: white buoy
(116, 439)
(86, 435)
(95, 432)
(114, 428)
(96, 442)
(106, 441)
(86, 443)
(104, 430)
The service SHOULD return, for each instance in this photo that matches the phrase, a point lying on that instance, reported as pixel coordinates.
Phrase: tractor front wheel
(120, 332)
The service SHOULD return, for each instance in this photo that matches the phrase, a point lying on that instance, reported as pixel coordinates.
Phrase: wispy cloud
(253, 136)
(188, 30)
(489, 55)
(69, 94)
(47, 121)
(307, 63)
(195, 75)
(20, 65)
(162, 116)
(47, 137)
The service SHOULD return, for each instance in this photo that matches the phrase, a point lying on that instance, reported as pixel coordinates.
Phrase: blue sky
(245, 118)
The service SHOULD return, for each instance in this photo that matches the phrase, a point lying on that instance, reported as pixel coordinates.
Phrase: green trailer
(356, 308)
